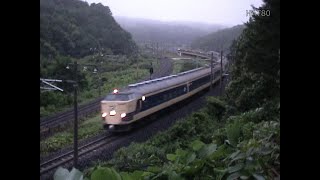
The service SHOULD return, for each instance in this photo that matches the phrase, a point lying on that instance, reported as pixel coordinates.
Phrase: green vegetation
(122, 70)
(71, 30)
(72, 27)
(256, 62)
(185, 65)
(245, 145)
(88, 128)
(220, 40)
(234, 137)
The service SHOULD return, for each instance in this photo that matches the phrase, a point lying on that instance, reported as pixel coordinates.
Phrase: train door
(188, 86)
(139, 105)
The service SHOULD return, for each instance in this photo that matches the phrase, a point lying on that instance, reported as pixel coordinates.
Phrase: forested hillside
(73, 30)
(175, 33)
(220, 40)
(72, 27)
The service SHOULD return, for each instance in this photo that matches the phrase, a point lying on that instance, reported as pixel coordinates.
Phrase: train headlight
(123, 115)
(112, 113)
(104, 115)
(143, 98)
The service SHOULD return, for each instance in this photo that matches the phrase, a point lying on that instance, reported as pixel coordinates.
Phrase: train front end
(117, 110)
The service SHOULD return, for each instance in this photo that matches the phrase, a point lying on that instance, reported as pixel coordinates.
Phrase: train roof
(150, 86)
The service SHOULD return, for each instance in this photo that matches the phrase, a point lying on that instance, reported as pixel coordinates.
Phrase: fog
(224, 12)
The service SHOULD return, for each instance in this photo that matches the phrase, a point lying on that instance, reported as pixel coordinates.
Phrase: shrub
(234, 132)
(215, 107)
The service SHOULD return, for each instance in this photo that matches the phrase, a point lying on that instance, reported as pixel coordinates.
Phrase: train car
(121, 108)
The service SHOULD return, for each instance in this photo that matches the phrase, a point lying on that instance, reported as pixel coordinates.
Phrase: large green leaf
(154, 169)
(171, 157)
(172, 175)
(238, 157)
(197, 145)
(64, 174)
(190, 158)
(234, 176)
(207, 150)
(126, 176)
(258, 177)
(181, 153)
(194, 167)
(235, 168)
(244, 177)
(136, 175)
(233, 155)
(220, 170)
(61, 174)
(105, 173)
(75, 174)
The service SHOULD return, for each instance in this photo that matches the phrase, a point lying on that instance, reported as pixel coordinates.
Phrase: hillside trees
(72, 27)
(220, 40)
(256, 61)
(71, 30)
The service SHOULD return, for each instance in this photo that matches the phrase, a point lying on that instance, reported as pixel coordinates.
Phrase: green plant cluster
(185, 65)
(123, 70)
(244, 146)
(87, 129)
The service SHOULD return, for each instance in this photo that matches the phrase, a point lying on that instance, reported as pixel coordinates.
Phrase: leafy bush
(253, 152)
(234, 132)
(140, 156)
(220, 136)
(258, 157)
(215, 107)
(64, 174)
(87, 129)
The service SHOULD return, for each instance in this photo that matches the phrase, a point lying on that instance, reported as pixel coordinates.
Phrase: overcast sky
(227, 12)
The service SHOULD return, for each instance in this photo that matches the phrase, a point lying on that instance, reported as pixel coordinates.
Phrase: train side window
(164, 97)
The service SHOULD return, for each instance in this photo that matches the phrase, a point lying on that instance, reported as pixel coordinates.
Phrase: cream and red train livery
(123, 107)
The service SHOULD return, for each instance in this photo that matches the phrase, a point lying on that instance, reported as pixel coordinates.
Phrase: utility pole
(75, 128)
(151, 70)
(75, 87)
(99, 81)
(137, 71)
(211, 69)
(157, 49)
(157, 52)
(75, 135)
(221, 74)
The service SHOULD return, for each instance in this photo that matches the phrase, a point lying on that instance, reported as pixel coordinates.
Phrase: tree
(72, 27)
(256, 64)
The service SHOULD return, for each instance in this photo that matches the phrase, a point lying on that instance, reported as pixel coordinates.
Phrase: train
(123, 107)
(216, 54)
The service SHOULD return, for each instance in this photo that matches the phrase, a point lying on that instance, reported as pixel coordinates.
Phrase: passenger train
(121, 108)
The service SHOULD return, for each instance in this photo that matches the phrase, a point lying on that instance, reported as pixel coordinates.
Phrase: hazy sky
(227, 12)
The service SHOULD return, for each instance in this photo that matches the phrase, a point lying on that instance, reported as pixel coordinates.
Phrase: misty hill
(222, 38)
(175, 33)
(72, 27)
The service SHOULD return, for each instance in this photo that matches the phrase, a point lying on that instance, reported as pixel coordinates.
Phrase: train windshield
(118, 97)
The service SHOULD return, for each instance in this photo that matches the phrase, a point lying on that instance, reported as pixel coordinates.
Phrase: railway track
(83, 110)
(83, 150)
(50, 124)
